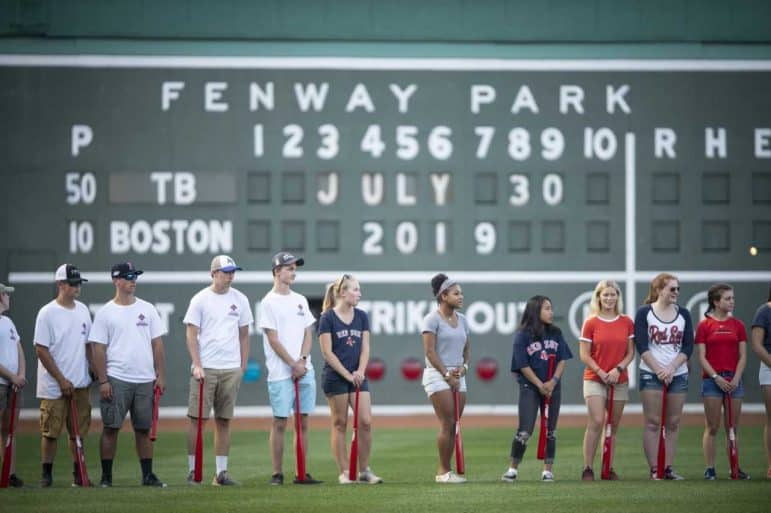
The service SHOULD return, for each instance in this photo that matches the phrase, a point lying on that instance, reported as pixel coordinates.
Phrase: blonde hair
(595, 306)
(656, 285)
(335, 290)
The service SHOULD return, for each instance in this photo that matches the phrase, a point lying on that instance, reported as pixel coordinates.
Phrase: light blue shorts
(282, 396)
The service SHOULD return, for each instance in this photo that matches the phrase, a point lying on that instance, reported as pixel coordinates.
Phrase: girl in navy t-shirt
(534, 341)
(344, 341)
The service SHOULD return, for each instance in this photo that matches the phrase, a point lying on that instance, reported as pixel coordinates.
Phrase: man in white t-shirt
(217, 332)
(130, 363)
(61, 345)
(286, 322)
(12, 377)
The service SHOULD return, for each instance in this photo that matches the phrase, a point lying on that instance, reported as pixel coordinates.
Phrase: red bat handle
(460, 464)
(5, 476)
(661, 462)
(198, 469)
(607, 448)
(545, 413)
(353, 463)
(299, 450)
(156, 402)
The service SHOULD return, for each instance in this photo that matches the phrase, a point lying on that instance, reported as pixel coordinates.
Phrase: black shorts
(333, 383)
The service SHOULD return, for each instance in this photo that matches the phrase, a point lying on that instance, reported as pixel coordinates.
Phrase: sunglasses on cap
(128, 276)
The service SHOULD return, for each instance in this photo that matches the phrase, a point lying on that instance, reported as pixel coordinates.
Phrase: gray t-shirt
(450, 340)
(762, 319)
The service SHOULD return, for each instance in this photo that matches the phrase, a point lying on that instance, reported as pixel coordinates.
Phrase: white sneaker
(450, 477)
(367, 476)
(510, 475)
(343, 478)
(547, 476)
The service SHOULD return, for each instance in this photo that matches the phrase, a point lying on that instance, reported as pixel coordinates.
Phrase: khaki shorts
(219, 390)
(620, 392)
(5, 398)
(54, 413)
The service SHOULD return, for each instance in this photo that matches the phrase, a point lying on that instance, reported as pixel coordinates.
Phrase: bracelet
(104, 383)
(556, 379)
(620, 369)
(465, 366)
(447, 375)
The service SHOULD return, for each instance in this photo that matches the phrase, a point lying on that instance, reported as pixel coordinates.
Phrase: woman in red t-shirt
(607, 348)
(722, 347)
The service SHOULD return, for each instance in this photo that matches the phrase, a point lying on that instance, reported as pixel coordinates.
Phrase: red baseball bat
(661, 463)
(545, 413)
(352, 465)
(460, 464)
(8, 454)
(80, 456)
(733, 450)
(607, 448)
(156, 402)
(299, 449)
(198, 469)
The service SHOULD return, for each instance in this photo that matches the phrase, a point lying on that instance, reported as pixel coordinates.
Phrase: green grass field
(406, 459)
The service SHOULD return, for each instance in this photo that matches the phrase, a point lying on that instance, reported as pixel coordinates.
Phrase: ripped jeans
(529, 405)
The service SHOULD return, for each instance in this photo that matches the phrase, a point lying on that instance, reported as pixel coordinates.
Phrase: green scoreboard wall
(514, 177)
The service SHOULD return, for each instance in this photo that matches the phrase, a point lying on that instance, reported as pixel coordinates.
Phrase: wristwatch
(620, 369)
(447, 375)
(714, 375)
(304, 356)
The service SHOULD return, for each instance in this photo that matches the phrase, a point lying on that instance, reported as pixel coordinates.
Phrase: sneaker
(367, 476)
(223, 479)
(587, 474)
(742, 475)
(277, 479)
(105, 482)
(670, 475)
(510, 475)
(15, 481)
(612, 476)
(710, 474)
(152, 480)
(450, 477)
(547, 476)
(46, 480)
(343, 478)
(308, 480)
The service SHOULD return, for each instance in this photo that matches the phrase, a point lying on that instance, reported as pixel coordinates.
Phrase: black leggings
(529, 404)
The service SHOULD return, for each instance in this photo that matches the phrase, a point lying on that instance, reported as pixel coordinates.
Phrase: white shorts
(434, 382)
(620, 390)
(764, 375)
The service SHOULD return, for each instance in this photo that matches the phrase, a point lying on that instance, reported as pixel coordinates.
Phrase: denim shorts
(649, 381)
(333, 383)
(710, 389)
(282, 396)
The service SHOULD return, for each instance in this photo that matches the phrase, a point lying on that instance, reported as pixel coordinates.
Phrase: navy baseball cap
(286, 258)
(125, 270)
(69, 273)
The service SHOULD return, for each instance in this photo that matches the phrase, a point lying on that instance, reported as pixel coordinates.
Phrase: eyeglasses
(674, 289)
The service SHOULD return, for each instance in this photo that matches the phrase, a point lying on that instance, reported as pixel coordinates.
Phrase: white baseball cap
(224, 263)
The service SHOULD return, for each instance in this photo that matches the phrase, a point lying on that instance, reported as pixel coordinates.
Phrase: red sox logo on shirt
(300, 311)
(233, 310)
(141, 321)
(13, 335)
(83, 330)
(671, 336)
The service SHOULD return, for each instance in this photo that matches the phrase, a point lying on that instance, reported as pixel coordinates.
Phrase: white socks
(222, 463)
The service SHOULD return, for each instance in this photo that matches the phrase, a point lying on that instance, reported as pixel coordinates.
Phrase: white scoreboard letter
(82, 135)
(170, 91)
